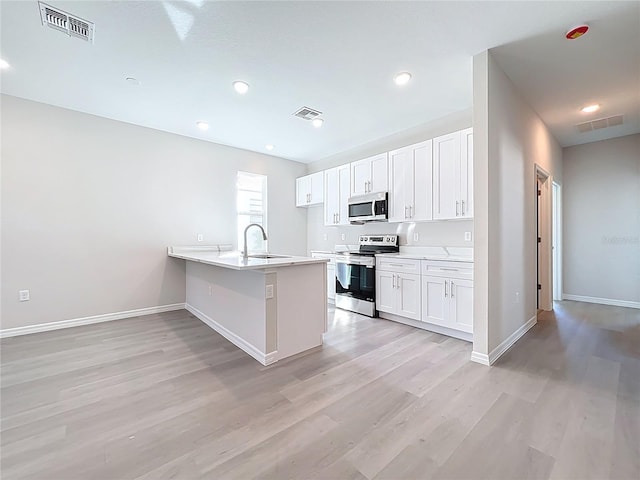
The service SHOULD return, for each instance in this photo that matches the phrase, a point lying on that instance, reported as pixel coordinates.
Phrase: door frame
(556, 239)
(544, 257)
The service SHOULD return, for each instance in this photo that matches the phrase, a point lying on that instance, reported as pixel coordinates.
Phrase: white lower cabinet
(397, 291)
(331, 273)
(447, 295)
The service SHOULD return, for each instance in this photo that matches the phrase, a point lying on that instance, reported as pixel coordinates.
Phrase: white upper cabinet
(336, 195)
(453, 175)
(370, 175)
(410, 182)
(310, 189)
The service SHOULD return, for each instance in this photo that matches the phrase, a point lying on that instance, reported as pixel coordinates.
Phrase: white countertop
(219, 257)
(449, 254)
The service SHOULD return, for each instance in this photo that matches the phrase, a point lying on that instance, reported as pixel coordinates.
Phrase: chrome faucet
(245, 253)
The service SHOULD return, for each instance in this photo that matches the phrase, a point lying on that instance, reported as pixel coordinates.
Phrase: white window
(252, 208)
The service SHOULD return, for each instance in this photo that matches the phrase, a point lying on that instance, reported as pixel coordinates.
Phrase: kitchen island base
(270, 313)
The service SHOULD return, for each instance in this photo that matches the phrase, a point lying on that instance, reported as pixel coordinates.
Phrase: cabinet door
(435, 306)
(317, 187)
(331, 282)
(446, 159)
(303, 189)
(461, 301)
(360, 177)
(385, 292)
(466, 173)
(423, 181)
(331, 196)
(379, 181)
(344, 182)
(401, 183)
(408, 300)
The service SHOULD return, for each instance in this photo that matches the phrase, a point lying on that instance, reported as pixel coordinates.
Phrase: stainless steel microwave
(368, 208)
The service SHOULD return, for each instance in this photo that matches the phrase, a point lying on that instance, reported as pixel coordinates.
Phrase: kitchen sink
(268, 255)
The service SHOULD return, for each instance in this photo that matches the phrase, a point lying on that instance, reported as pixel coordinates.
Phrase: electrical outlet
(467, 236)
(343, 236)
(24, 295)
(200, 237)
(268, 291)
(325, 236)
(416, 237)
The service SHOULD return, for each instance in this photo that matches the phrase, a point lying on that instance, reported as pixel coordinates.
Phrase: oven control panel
(379, 240)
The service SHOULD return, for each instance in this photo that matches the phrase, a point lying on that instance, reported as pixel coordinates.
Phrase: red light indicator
(577, 32)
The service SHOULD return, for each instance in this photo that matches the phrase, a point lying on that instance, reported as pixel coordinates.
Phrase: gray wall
(435, 233)
(601, 219)
(509, 139)
(89, 206)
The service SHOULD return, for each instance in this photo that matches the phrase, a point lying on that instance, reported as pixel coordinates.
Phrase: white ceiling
(337, 57)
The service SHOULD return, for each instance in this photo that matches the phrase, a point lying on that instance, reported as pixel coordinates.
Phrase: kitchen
(107, 162)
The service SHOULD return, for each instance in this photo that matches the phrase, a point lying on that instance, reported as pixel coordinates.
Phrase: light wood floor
(164, 396)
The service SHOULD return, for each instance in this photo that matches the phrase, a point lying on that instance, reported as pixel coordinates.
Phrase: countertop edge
(268, 263)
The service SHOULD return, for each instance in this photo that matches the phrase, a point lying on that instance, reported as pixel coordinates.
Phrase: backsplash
(436, 233)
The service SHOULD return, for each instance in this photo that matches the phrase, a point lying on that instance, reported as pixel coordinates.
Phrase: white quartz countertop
(213, 255)
(449, 254)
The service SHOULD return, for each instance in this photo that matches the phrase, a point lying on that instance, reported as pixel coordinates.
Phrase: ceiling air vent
(600, 123)
(307, 113)
(67, 23)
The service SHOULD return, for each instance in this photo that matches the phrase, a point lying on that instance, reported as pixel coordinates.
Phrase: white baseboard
(497, 352)
(601, 301)
(76, 322)
(263, 358)
(480, 358)
(449, 332)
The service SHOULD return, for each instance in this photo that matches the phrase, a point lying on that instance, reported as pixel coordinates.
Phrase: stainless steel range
(356, 273)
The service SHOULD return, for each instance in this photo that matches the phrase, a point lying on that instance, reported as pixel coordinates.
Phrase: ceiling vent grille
(66, 23)
(307, 113)
(600, 123)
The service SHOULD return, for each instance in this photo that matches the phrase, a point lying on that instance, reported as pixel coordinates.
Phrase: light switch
(467, 236)
(343, 236)
(200, 237)
(269, 291)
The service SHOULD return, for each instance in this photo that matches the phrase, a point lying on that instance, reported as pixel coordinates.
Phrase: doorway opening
(544, 269)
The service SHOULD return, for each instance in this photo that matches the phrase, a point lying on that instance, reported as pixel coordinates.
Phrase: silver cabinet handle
(463, 208)
(410, 211)
(365, 187)
(457, 205)
(337, 217)
(397, 281)
(405, 211)
(452, 285)
(393, 280)
(369, 182)
(445, 289)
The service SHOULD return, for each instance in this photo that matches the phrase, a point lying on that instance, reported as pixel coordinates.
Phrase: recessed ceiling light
(4, 64)
(591, 108)
(132, 81)
(317, 122)
(402, 78)
(241, 87)
(202, 126)
(269, 146)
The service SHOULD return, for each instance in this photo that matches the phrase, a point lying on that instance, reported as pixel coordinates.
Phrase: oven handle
(354, 261)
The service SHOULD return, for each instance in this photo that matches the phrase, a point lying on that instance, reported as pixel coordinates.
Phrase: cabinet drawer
(437, 268)
(398, 265)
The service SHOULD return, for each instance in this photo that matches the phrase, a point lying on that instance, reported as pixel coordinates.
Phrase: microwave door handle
(373, 208)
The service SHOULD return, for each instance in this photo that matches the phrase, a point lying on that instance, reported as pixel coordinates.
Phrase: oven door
(356, 279)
